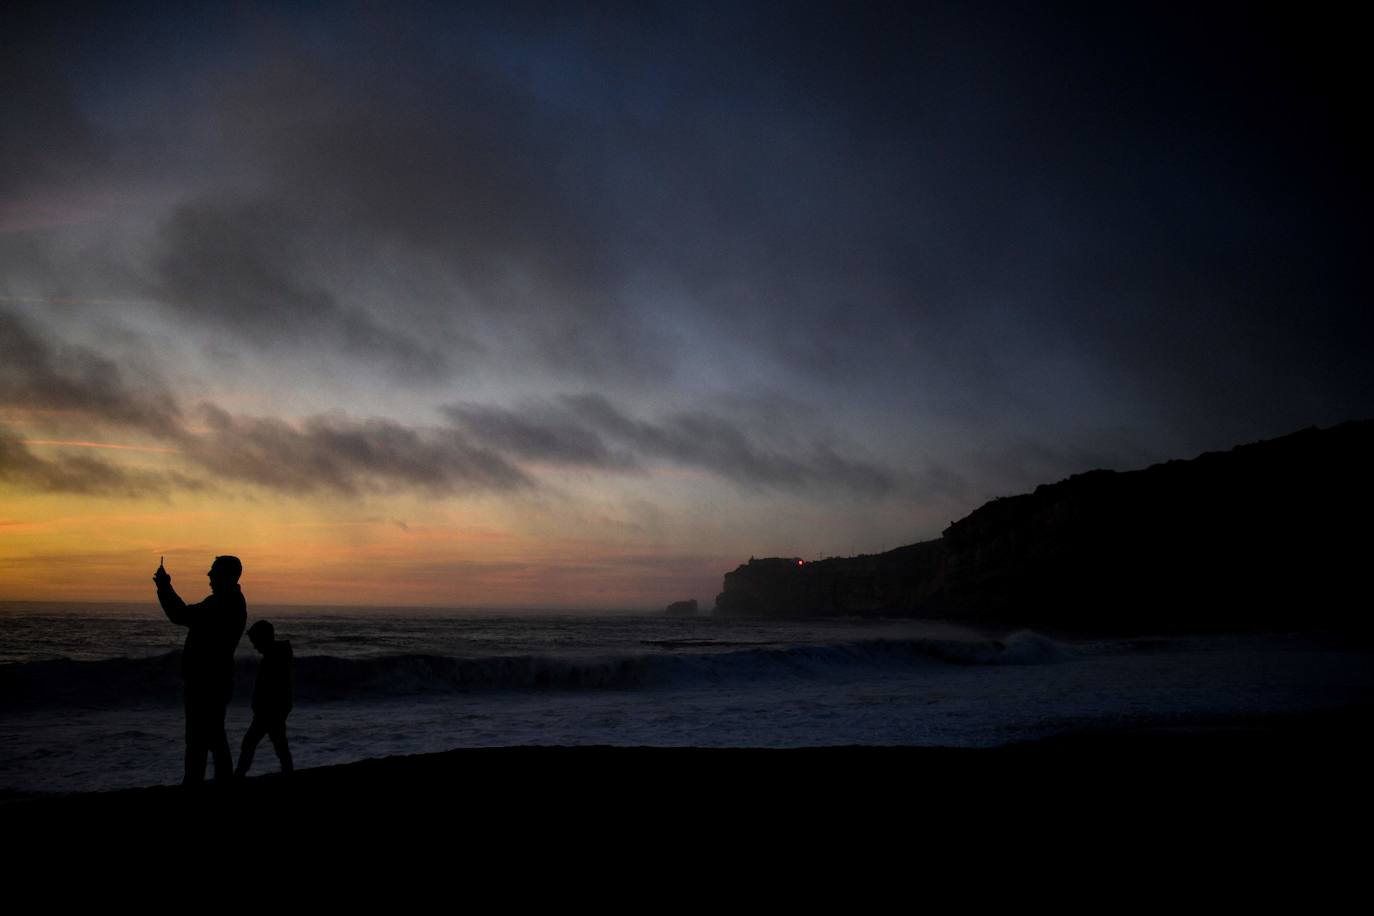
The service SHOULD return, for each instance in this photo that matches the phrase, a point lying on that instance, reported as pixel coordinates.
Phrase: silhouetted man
(207, 661)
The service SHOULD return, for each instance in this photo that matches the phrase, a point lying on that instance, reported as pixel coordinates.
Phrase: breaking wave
(326, 678)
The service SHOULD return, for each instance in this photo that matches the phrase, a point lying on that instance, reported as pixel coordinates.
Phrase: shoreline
(1221, 758)
(1243, 807)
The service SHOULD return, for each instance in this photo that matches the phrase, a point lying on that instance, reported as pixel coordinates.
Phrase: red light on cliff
(801, 562)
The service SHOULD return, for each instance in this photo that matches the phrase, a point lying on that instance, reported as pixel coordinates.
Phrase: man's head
(224, 572)
(261, 635)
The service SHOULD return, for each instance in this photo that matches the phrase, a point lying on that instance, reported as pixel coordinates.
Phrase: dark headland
(1270, 534)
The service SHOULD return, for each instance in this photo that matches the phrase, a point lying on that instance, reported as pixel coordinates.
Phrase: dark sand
(1284, 786)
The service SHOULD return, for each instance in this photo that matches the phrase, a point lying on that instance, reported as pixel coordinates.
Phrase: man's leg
(277, 732)
(218, 741)
(250, 744)
(196, 747)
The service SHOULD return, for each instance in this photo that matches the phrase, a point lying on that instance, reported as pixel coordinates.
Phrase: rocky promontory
(1272, 533)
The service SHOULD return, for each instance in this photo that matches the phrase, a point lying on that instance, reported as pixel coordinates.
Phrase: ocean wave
(328, 678)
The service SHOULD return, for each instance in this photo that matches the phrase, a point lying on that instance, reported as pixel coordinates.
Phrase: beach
(1264, 772)
(1260, 811)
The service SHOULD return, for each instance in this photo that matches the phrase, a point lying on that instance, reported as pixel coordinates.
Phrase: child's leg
(277, 732)
(250, 744)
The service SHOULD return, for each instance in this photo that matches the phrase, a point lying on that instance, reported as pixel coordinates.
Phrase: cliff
(1273, 533)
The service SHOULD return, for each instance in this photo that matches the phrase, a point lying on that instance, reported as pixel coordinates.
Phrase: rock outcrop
(1273, 533)
(682, 609)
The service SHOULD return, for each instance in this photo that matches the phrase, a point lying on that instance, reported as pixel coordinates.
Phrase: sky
(569, 305)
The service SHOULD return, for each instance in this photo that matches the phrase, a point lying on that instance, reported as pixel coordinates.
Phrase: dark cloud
(541, 433)
(341, 455)
(481, 449)
(240, 269)
(956, 200)
(1030, 224)
(83, 474)
(323, 453)
(46, 141)
(394, 159)
(37, 373)
(860, 196)
(588, 430)
(484, 448)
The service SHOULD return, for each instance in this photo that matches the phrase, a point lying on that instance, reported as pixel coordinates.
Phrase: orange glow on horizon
(403, 551)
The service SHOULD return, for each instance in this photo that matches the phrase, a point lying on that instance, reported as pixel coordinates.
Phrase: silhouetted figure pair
(207, 661)
(271, 697)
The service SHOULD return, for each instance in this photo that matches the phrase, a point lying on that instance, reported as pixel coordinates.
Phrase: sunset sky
(566, 305)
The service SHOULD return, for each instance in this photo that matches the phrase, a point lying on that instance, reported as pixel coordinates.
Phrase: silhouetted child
(271, 697)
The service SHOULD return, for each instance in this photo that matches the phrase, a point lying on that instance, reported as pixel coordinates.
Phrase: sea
(90, 695)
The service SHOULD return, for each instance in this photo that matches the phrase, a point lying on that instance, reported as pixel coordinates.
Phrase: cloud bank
(479, 246)
(480, 448)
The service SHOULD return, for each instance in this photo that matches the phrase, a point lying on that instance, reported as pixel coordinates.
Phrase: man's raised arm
(171, 602)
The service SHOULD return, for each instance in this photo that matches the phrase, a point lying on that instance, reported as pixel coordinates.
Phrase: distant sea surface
(90, 694)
